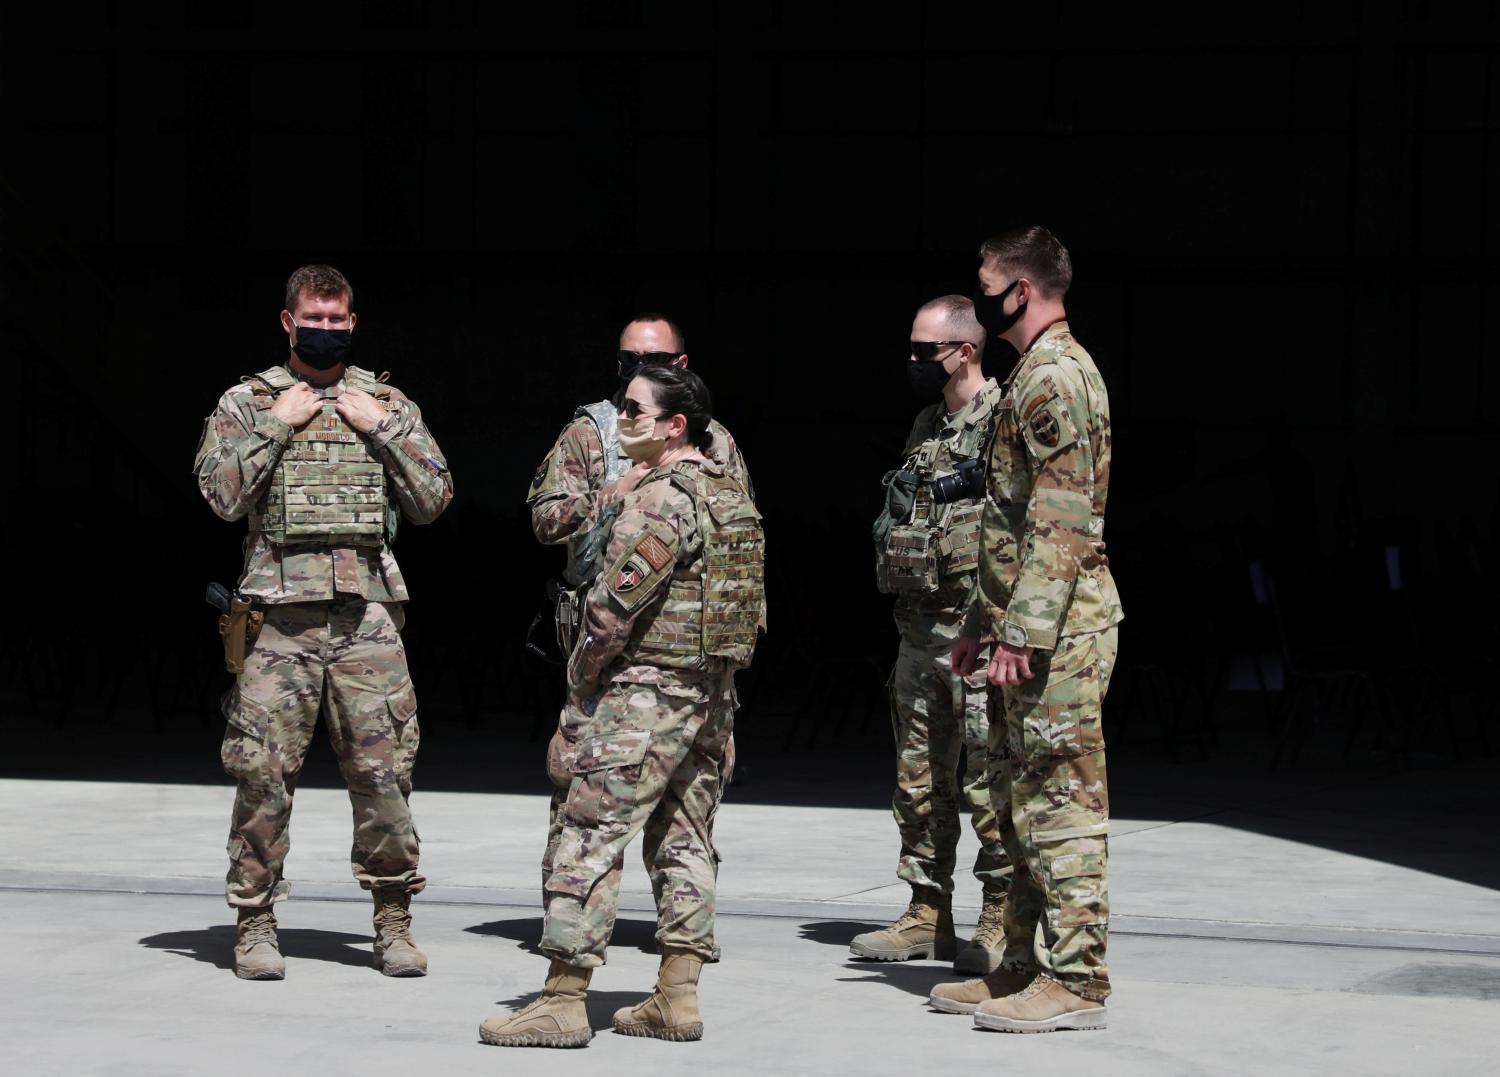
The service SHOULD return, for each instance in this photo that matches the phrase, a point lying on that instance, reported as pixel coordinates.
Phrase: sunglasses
(630, 359)
(631, 409)
(927, 350)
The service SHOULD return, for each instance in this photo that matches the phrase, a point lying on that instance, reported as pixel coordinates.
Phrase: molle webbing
(712, 616)
(328, 487)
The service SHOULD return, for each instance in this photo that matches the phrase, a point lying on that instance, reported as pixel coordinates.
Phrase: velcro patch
(655, 551)
(1044, 429)
(630, 576)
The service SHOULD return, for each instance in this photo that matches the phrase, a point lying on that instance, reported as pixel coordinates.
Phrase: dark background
(1284, 238)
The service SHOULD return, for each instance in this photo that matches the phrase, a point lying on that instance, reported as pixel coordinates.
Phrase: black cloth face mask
(926, 378)
(990, 310)
(321, 349)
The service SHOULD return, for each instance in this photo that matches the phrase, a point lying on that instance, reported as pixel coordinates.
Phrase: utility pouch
(239, 629)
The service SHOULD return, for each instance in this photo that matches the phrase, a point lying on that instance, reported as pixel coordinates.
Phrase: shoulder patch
(655, 551)
(630, 575)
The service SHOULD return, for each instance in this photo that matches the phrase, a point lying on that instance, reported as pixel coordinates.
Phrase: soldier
(1047, 605)
(927, 548)
(664, 627)
(323, 458)
(574, 498)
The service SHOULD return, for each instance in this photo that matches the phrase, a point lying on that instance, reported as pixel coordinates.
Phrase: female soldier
(665, 625)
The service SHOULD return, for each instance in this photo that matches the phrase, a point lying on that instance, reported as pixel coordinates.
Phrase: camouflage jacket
(566, 487)
(1043, 573)
(241, 444)
(655, 536)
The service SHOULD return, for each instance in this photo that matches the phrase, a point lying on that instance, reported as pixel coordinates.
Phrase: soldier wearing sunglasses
(573, 498)
(927, 553)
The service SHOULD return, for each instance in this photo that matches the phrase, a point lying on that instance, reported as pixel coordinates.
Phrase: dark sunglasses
(629, 359)
(631, 409)
(927, 350)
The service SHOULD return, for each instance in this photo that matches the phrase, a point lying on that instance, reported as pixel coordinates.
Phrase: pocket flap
(245, 714)
(731, 508)
(402, 702)
(604, 751)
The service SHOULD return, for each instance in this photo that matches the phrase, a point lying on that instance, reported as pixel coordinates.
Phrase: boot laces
(259, 929)
(991, 926)
(394, 922)
(1035, 987)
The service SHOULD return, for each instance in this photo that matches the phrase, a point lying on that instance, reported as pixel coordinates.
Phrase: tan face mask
(637, 437)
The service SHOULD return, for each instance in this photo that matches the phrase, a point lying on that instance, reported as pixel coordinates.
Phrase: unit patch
(631, 576)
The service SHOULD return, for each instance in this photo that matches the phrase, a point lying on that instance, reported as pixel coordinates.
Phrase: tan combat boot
(982, 955)
(967, 996)
(555, 1018)
(396, 954)
(1045, 1006)
(671, 1011)
(925, 929)
(256, 955)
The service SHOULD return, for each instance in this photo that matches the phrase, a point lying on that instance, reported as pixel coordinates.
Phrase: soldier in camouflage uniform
(576, 492)
(322, 459)
(1047, 604)
(927, 548)
(665, 625)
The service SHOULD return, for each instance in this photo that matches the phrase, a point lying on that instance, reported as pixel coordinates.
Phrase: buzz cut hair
(653, 316)
(320, 282)
(958, 317)
(1034, 253)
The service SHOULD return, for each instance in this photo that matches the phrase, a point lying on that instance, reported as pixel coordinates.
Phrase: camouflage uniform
(563, 501)
(1044, 581)
(332, 627)
(657, 711)
(935, 713)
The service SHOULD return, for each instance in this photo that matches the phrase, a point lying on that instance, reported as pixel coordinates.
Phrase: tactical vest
(329, 488)
(712, 617)
(938, 543)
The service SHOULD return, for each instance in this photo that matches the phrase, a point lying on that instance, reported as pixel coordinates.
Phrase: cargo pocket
(1076, 874)
(406, 735)
(244, 753)
(606, 779)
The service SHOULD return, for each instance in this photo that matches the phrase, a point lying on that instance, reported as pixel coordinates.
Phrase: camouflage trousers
(652, 759)
(344, 658)
(935, 716)
(1050, 743)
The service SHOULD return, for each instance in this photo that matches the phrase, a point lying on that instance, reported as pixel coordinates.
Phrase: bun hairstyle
(678, 391)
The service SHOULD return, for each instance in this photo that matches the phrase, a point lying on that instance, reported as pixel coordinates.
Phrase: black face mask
(990, 310)
(926, 378)
(321, 349)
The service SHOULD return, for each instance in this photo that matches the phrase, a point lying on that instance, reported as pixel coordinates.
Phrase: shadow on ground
(600, 1004)
(215, 945)
(527, 932)
(835, 932)
(913, 977)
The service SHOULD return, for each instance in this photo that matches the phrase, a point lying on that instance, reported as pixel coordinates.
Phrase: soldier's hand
(1010, 665)
(297, 405)
(360, 410)
(623, 485)
(965, 657)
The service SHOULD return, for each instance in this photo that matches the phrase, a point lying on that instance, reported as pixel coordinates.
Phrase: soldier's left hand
(360, 410)
(1010, 665)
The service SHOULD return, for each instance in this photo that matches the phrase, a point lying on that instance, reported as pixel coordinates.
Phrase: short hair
(322, 282)
(1034, 253)
(652, 316)
(958, 316)
(681, 392)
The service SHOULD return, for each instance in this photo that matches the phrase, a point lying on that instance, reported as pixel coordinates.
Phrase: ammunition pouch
(239, 629)
(567, 616)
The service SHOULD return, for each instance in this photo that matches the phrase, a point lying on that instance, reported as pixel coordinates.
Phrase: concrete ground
(1309, 926)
